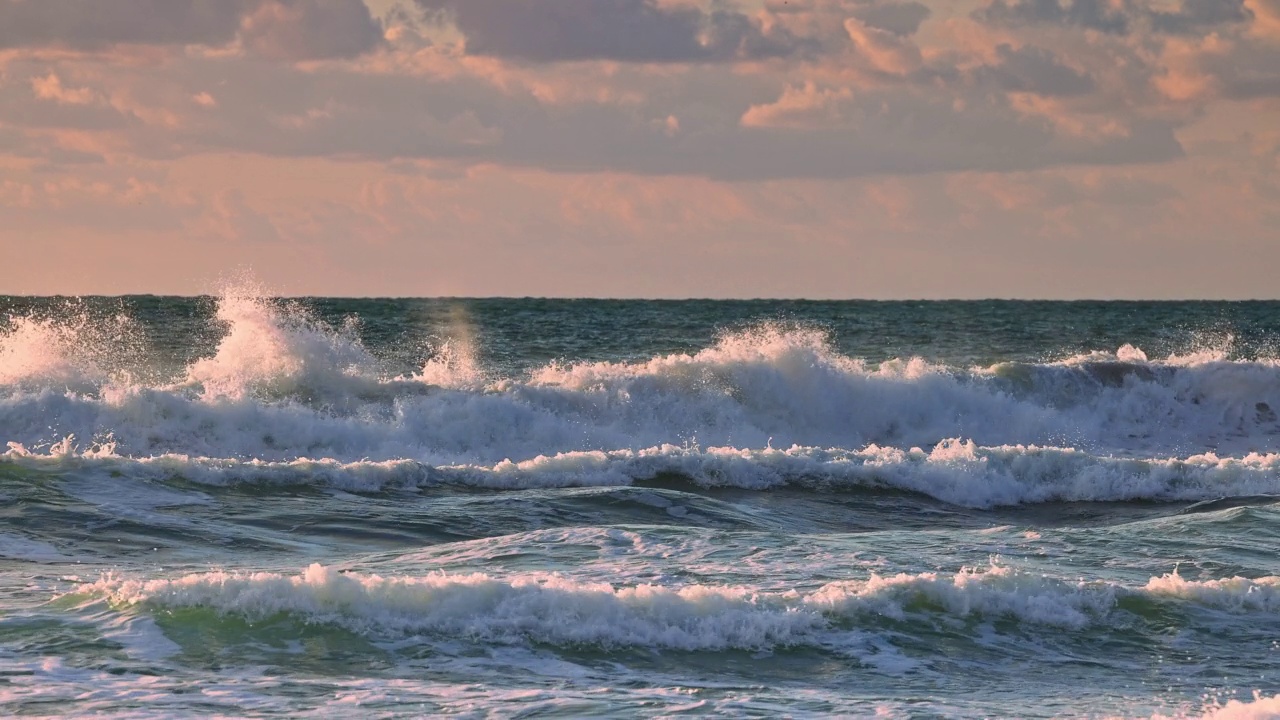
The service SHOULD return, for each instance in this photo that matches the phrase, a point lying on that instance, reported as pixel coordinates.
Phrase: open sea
(242, 507)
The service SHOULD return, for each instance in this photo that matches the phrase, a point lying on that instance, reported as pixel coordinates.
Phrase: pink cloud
(310, 29)
(50, 87)
(806, 106)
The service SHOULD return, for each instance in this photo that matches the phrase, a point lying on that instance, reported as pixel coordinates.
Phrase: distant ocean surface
(236, 506)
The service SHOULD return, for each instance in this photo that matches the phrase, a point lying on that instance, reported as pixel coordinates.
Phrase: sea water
(242, 506)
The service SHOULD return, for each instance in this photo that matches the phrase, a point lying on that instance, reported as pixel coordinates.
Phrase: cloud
(285, 29)
(49, 156)
(623, 30)
(1035, 70)
(230, 218)
(884, 51)
(1266, 18)
(1238, 66)
(874, 101)
(33, 96)
(1243, 69)
(81, 25)
(1035, 132)
(50, 87)
(1195, 15)
(1091, 14)
(900, 18)
(311, 29)
(801, 107)
(707, 120)
(1191, 17)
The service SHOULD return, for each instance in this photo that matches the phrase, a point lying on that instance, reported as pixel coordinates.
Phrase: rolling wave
(551, 609)
(284, 398)
(956, 472)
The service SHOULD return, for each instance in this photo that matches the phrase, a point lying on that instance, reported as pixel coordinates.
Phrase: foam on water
(1236, 594)
(1260, 707)
(547, 609)
(557, 610)
(954, 471)
(106, 435)
(284, 396)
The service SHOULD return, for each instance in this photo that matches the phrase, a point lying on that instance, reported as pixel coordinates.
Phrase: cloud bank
(1081, 100)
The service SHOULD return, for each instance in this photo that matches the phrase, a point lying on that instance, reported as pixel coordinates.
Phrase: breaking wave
(956, 472)
(286, 398)
(556, 610)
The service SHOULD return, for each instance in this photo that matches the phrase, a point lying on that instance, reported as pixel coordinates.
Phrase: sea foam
(554, 609)
(956, 472)
(286, 398)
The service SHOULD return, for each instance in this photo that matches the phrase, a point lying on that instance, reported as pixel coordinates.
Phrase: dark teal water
(249, 507)
(517, 334)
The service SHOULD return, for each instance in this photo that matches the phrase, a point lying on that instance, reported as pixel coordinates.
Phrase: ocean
(245, 507)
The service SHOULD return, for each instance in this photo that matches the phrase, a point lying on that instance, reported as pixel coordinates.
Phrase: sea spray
(495, 507)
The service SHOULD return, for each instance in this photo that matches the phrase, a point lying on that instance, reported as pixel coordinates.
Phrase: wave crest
(280, 387)
(558, 610)
(957, 472)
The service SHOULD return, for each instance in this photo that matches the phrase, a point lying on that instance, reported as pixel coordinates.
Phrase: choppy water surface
(248, 507)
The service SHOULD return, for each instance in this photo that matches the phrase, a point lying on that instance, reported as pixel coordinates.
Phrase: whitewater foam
(1235, 594)
(1260, 707)
(69, 348)
(284, 395)
(553, 609)
(271, 350)
(956, 472)
(120, 461)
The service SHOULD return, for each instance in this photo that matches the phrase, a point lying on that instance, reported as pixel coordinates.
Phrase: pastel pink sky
(643, 148)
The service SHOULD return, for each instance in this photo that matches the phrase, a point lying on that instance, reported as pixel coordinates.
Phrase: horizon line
(637, 298)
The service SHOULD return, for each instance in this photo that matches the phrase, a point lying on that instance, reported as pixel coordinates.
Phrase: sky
(642, 148)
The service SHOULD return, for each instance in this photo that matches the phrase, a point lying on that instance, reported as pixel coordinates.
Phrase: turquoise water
(246, 507)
